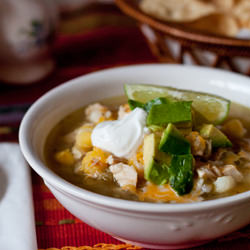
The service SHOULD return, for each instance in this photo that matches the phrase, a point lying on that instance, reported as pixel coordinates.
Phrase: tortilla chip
(220, 17)
(223, 5)
(218, 24)
(242, 12)
(177, 10)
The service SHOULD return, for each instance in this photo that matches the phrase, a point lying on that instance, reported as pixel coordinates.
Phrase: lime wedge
(213, 108)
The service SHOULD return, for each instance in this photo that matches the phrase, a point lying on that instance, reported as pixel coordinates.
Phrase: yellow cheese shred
(164, 193)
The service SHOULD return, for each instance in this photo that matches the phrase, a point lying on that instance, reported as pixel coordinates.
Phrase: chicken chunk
(123, 110)
(78, 154)
(125, 175)
(206, 172)
(224, 184)
(199, 145)
(226, 156)
(95, 112)
(231, 170)
(202, 187)
(112, 160)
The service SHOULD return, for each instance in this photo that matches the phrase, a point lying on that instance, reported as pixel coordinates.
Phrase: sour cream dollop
(121, 137)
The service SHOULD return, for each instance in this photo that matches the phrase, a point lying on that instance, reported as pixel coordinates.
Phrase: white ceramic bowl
(162, 226)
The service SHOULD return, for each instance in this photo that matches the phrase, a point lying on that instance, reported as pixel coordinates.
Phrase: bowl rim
(56, 181)
(130, 7)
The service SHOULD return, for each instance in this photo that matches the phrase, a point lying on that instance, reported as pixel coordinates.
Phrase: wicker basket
(175, 44)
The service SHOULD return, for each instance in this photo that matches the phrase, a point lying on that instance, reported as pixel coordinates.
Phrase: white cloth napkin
(17, 228)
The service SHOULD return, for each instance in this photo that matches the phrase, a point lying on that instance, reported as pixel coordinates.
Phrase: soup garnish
(163, 145)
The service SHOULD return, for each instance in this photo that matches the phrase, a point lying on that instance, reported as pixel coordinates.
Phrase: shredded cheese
(164, 193)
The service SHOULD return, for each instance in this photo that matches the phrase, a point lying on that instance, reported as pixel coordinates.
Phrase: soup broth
(62, 139)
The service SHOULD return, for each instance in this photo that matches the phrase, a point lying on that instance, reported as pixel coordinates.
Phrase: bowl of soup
(155, 155)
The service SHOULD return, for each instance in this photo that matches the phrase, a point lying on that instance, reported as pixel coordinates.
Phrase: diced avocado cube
(181, 173)
(156, 101)
(173, 142)
(154, 171)
(162, 157)
(218, 138)
(158, 173)
(171, 112)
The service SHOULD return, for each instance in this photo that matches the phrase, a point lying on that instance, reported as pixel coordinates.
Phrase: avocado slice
(181, 173)
(173, 142)
(209, 131)
(171, 112)
(154, 170)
